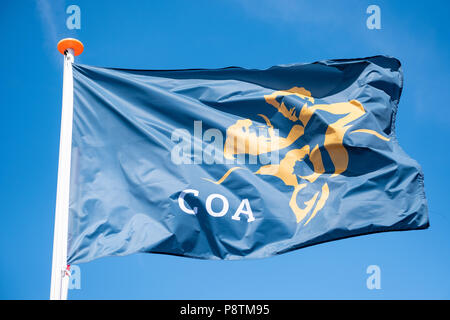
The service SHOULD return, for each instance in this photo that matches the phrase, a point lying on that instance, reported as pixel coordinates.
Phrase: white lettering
(247, 210)
(181, 201)
(225, 206)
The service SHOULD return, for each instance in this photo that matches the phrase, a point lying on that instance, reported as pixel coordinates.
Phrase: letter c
(182, 204)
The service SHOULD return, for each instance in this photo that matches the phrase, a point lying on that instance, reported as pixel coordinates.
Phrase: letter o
(225, 207)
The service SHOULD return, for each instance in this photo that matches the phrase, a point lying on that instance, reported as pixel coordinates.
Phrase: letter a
(374, 281)
(374, 20)
(73, 21)
(248, 211)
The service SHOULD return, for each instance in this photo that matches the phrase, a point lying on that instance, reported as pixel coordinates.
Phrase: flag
(238, 163)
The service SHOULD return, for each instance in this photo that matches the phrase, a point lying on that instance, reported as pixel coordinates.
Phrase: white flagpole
(60, 271)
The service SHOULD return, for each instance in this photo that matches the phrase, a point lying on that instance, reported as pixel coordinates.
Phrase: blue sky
(210, 34)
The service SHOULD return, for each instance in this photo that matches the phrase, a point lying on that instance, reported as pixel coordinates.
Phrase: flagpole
(60, 270)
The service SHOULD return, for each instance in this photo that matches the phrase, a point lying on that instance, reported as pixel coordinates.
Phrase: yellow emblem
(241, 140)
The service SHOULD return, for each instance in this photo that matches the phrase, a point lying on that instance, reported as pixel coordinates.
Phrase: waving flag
(235, 163)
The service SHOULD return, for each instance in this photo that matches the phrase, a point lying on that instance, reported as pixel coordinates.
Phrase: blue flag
(238, 163)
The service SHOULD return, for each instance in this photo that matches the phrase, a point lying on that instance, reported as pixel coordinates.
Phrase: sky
(211, 34)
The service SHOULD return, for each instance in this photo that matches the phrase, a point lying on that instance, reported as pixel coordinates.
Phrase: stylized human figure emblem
(241, 140)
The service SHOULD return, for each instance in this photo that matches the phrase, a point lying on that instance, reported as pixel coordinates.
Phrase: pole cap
(70, 43)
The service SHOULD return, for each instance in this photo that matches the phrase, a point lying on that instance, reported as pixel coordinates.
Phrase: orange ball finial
(70, 43)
